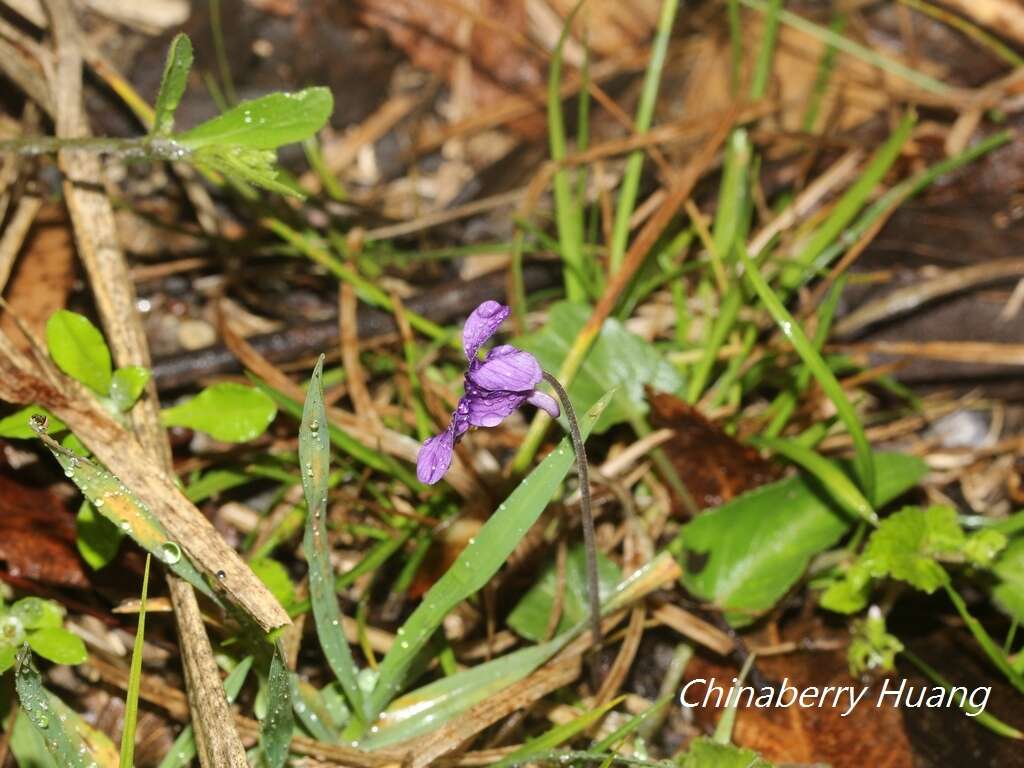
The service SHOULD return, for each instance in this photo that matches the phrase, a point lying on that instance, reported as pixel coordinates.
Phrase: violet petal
(488, 408)
(435, 457)
(481, 325)
(506, 368)
(545, 402)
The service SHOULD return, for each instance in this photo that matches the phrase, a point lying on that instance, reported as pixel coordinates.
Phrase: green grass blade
(849, 204)
(276, 728)
(854, 49)
(982, 717)
(642, 123)
(477, 563)
(821, 372)
(825, 67)
(65, 747)
(838, 485)
(343, 441)
(438, 702)
(183, 751)
(568, 215)
(131, 699)
(988, 645)
(117, 503)
(784, 405)
(315, 458)
(763, 68)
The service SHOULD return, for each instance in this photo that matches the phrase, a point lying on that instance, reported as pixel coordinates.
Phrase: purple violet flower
(495, 386)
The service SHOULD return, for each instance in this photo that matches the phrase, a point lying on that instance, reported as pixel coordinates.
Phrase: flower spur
(495, 387)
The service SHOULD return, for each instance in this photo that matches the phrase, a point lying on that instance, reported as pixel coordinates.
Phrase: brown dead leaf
(712, 465)
(37, 536)
(869, 735)
(43, 276)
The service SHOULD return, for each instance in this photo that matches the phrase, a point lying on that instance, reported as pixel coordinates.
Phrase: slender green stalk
(136, 148)
(586, 515)
(642, 123)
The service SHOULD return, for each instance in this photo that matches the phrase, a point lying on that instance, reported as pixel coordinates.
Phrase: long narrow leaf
(557, 735)
(477, 563)
(826, 379)
(111, 498)
(65, 747)
(277, 726)
(131, 699)
(315, 457)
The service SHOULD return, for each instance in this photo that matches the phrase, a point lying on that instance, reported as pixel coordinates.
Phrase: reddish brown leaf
(37, 536)
(712, 465)
(868, 735)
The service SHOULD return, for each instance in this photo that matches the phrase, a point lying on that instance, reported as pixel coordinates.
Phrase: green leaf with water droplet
(78, 349)
(478, 562)
(276, 728)
(227, 411)
(58, 645)
(65, 746)
(127, 385)
(37, 613)
(172, 84)
(315, 459)
(115, 501)
(265, 123)
(16, 425)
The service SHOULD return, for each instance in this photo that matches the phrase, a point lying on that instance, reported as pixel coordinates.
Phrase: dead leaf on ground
(42, 278)
(713, 466)
(869, 735)
(37, 536)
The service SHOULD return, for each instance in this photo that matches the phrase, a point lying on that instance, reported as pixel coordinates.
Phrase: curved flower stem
(589, 540)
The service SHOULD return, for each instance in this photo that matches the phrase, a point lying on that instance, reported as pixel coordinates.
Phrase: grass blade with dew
(315, 459)
(438, 702)
(183, 751)
(644, 115)
(568, 213)
(67, 748)
(131, 697)
(276, 728)
(557, 735)
(343, 441)
(819, 369)
(111, 498)
(476, 565)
